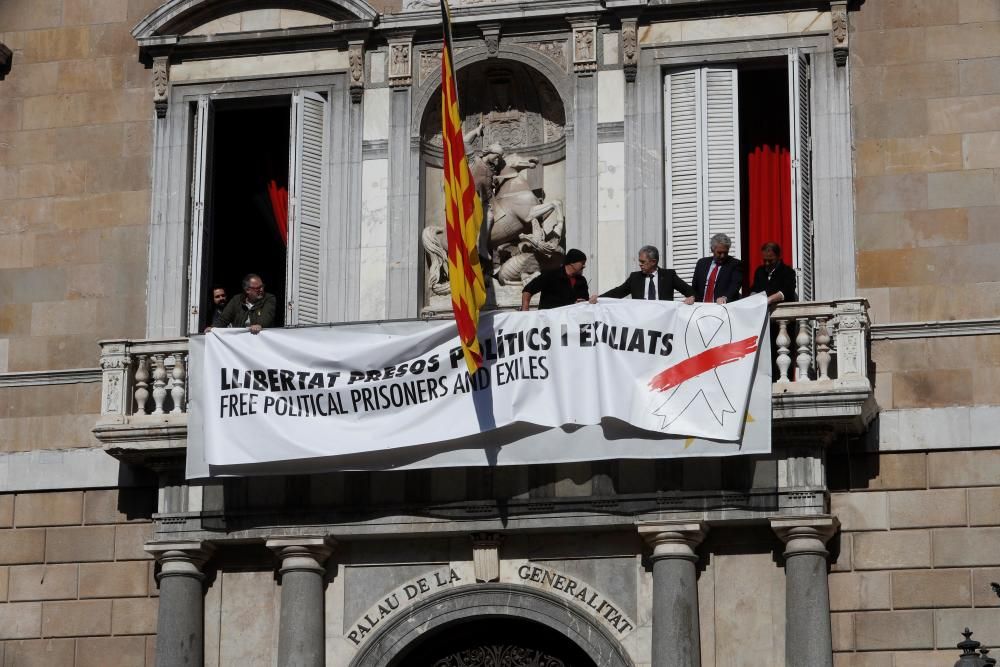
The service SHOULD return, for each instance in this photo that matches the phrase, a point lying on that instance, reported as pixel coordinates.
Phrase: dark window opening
(765, 163)
(246, 227)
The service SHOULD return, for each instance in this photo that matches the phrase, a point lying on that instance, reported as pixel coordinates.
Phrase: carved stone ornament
(491, 36)
(585, 49)
(161, 77)
(554, 49)
(400, 71)
(630, 49)
(356, 63)
(486, 556)
(838, 14)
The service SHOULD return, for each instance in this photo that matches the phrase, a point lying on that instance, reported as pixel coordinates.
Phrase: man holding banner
(559, 287)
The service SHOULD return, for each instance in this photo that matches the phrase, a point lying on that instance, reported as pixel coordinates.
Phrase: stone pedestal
(300, 632)
(808, 639)
(180, 627)
(676, 632)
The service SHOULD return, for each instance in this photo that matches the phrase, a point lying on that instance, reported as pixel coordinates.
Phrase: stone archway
(389, 647)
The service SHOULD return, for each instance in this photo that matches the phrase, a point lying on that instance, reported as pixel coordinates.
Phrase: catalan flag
(463, 212)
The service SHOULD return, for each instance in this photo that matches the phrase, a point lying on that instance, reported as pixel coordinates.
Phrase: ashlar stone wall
(76, 586)
(917, 553)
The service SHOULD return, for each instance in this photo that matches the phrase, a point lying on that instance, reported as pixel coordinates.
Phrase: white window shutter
(306, 207)
(201, 171)
(801, 154)
(702, 163)
(720, 114)
(683, 173)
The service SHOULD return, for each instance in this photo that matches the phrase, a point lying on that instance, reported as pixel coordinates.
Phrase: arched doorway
(494, 642)
(447, 619)
(510, 107)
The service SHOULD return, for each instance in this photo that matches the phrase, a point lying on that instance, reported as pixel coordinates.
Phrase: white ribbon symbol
(708, 327)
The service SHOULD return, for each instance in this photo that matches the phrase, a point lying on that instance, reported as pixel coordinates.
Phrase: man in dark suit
(650, 281)
(718, 277)
(774, 277)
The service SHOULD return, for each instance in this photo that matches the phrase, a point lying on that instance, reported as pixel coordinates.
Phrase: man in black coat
(563, 286)
(774, 277)
(724, 274)
(650, 281)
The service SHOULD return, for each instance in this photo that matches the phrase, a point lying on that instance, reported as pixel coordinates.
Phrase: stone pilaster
(808, 639)
(300, 632)
(676, 632)
(180, 626)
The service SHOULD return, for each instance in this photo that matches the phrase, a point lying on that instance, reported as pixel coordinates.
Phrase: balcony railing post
(178, 384)
(115, 364)
(141, 384)
(822, 349)
(851, 333)
(784, 360)
(804, 358)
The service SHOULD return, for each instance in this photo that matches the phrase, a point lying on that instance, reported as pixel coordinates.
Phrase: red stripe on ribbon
(703, 362)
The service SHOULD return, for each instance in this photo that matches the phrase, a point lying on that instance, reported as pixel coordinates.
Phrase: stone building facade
(129, 130)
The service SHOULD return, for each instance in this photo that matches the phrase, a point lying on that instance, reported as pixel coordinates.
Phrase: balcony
(824, 382)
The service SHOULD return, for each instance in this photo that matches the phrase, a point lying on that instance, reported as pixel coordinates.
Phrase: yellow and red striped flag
(463, 212)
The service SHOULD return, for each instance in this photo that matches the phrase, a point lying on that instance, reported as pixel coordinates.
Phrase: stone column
(180, 627)
(808, 639)
(301, 627)
(676, 632)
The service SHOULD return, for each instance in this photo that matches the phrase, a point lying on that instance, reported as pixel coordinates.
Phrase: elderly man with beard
(254, 309)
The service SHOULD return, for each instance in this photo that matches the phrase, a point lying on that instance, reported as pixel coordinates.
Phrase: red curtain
(770, 203)
(278, 196)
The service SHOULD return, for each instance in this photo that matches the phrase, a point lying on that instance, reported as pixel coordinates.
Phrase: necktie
(651, 290)
(710, 289)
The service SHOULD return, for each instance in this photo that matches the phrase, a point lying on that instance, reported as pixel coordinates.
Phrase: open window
(258, 202)
(738, 162)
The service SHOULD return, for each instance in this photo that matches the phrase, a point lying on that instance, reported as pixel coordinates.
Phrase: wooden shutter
(800, 115)
(683, 170)
(721, 149)
(306, 207)
(201, 171)
(702, 163)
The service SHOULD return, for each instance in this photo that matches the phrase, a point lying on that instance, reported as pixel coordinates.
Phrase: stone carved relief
(630, 49)
(430, 62)
(113, 395)
(554, 49)
(507, 655)
(161, 77)
(356, 64)
(585, 49)
(434, 5)
(838, 14)
(399, 65)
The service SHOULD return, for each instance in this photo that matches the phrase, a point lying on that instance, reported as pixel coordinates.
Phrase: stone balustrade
(822, 360)
(144, 391)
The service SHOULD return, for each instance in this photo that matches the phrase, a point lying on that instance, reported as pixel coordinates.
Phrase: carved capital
(486, 556)
(674, 539)
(585, 47)
(838, 14)
(491, 35)
(630, 48)
(181, 559)
(805, 535)
(400, 62)
(300, 554)
(161, 79)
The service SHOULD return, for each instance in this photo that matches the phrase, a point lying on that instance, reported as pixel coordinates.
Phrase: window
(258, 201)
(737, 142)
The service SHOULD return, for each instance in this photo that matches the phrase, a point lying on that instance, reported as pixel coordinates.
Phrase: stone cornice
(37, 378)
(935, 329)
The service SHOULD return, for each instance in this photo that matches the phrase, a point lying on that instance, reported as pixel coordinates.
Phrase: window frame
(832, 168)
(172, 248)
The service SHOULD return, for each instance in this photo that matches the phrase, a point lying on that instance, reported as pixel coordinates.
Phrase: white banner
(676, 378)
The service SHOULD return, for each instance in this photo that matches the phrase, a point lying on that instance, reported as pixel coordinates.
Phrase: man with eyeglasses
(651, 282)
(254, 309)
